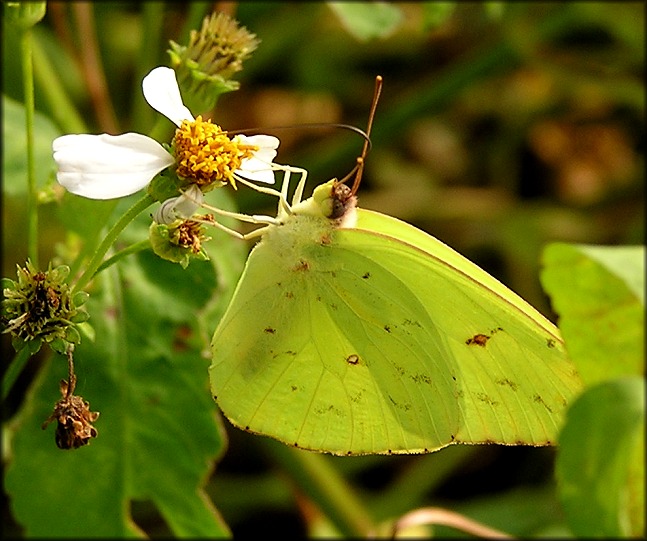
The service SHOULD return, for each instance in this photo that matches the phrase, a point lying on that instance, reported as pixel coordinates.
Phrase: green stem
(14, 370)
(106, 243)
(32, 196)
(322, 483)
(132, 249)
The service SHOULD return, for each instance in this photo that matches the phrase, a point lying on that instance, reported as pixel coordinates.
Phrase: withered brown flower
(74, 418)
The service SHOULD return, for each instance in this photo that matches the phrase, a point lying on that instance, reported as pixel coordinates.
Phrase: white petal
(163, 94)
(108, 166)
(259, 166)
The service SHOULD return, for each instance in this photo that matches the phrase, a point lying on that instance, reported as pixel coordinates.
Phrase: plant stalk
(107, 242)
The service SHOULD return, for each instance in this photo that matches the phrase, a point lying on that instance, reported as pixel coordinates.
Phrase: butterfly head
(334, 200)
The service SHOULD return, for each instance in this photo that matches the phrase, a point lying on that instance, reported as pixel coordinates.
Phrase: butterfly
(352, 332)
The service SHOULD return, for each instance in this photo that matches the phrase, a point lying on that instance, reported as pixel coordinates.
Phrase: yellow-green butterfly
(351, 332)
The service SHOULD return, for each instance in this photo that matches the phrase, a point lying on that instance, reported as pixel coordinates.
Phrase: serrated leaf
(596, 291)
(367, 20)
(600, 465)
(158, 433)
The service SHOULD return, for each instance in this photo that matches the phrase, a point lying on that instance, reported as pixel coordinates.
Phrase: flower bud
(206, 65)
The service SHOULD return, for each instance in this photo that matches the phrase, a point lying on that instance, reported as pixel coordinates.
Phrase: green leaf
(600, 465)
(598, 293)
(158, 433)
(368, 20)
(625, 262)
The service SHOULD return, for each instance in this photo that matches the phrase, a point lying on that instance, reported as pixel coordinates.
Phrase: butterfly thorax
(312, 222)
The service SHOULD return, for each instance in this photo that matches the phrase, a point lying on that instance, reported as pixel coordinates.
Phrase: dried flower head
(74, 419)
(40, 307)
(214, 54)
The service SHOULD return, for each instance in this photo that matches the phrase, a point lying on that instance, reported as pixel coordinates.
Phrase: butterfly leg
(282, 195)
(284, 208)
(250, 218)
(252, 234)
(298, 193)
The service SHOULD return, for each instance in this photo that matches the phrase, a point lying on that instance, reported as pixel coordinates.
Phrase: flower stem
(132, 249)
(32, 197)
(97, 259)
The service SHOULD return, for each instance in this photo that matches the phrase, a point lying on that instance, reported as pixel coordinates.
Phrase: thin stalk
(132, 249)
(315, 475)
(107, 242)
(32, 196)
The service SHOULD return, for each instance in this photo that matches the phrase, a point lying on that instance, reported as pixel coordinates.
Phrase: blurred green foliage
(502, 127)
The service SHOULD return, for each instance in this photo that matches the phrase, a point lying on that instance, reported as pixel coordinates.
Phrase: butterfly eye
(342, 200)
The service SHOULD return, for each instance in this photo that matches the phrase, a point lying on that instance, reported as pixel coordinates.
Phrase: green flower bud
(206, 65)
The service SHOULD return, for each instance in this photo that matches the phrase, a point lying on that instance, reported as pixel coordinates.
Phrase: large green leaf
(158, 430)
(598, 292)
(600, 466)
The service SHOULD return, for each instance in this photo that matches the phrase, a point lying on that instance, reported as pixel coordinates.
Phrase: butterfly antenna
(359, 168)
(310, 125)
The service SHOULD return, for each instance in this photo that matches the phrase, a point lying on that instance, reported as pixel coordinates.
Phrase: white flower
(110, 166)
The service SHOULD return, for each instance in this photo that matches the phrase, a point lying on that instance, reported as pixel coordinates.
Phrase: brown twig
(438, 515)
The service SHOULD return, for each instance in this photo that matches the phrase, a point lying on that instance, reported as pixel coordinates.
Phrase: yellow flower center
(205, 154)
